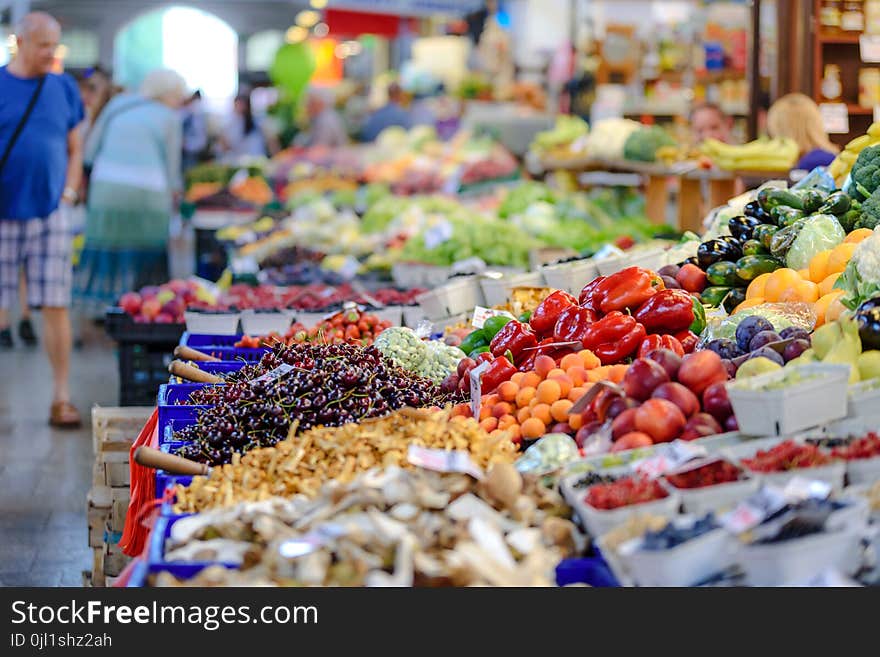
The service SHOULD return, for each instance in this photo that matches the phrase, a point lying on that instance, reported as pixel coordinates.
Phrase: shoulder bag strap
(23, 122)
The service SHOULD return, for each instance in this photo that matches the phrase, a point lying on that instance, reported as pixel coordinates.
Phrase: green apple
(869, 365)
(755, 366)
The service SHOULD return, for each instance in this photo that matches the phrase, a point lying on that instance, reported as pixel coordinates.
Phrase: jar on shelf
(830, 15)
(831, 87)
(872, 16)
(852, 18)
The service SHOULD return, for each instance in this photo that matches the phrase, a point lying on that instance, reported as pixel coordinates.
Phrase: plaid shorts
(44, 248)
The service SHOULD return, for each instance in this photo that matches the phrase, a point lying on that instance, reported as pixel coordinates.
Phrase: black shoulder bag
(23, 122)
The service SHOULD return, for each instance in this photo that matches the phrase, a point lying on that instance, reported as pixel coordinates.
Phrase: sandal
(64, 415)
(26, 332)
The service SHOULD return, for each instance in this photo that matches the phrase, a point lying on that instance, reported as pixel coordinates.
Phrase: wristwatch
(69, 194)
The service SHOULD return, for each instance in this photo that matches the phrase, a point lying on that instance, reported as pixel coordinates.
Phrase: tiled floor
(44, 473)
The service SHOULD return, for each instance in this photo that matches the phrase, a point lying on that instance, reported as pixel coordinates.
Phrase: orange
(523, 414)
(533, 428)
(559, 410)
(489, 424)
(485, 412)
(806, 291)
(517, 378)
(542, 413)
(591, 360)
(819, 266)
(571, 360)
(530, 380)
(507, 391)
(835, 309)
(858, 235)
(840, 256)
(565, 385)
(827, 284)
(577, 375)
(821, 306)
(548, 391)
(506, 421)
(780, 281)
(748, 303)
(576, 393)
(804, 273)
(756, 287)
(543, 365)
(524, 396)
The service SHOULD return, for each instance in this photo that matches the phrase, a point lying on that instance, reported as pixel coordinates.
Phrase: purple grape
(725, 347)
(794, 332)
(794, 349)
(763, 338)
(748, 328)
(767, 352)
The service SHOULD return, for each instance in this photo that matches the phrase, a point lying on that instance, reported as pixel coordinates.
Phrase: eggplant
(735, 247)
(713, 251)
(838, 203)
(733, 298)
(693, 260)
(741, 227)
(753, 209)
(868, 318)
(812, 199)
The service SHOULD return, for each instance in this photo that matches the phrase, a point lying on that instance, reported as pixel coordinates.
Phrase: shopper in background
(391, 114)
(326, 127)
(135, 152)
(243, 136)
(40, 170)
(797, 117)
(708, 121)
(96, 89)
(195, 131)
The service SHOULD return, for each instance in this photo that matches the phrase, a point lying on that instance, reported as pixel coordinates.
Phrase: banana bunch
(758, 155)
(842, 164)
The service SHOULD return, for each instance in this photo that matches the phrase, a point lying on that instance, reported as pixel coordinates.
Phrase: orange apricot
(507, 391)
(542, 413)
(559, 410)
(543, 365)
(548, 391)
(524, 396)
(533, 428)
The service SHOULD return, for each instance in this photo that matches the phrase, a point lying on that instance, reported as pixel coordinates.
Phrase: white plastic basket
(393, 314)
(796, 407)
(496, 291)
(863, 471)
(699, 501)
(310, 319)
(863, 401)
(683, 565)
(598, 521)
(651, 258)
(433, 275)
(412, 315)
(797, 560)
(441, 324)
(571, 276)
(463, 294)
(211, 323)
(406, 275)
(254, 323)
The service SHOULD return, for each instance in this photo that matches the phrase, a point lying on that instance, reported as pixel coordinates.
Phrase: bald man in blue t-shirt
(40, 169)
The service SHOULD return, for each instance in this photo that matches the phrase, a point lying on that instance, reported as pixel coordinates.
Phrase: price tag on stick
(476, 393)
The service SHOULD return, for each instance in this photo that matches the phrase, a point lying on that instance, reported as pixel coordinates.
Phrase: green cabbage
(819, 233)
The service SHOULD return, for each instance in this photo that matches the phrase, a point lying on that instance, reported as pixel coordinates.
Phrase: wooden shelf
(839, 38)
(858, 109)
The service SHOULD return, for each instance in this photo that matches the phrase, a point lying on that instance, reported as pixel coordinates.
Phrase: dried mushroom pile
(387, 527)
(303, 463)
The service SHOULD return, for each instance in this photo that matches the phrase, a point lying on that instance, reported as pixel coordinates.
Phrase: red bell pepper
(668, 311)
(499, 371)
(628, 289)
(688, 339)
(514, 337)
(655, 341)
(614, 337)
(573, 323)
(544, 318)
(589, 296)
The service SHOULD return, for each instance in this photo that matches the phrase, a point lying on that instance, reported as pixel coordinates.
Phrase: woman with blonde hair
(134, 150)
(797, 117)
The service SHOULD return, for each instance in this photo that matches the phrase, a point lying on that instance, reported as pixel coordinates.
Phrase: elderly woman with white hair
(134, 151)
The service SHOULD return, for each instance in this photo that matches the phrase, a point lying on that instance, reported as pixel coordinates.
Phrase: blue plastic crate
(222, 346)
(164, 479)
(220, 368)
(167, 431)
(156, 548)
(178, 393)
(140, 575)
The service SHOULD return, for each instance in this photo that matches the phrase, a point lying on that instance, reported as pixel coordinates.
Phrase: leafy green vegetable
(865, 174)
(869, 213)
(817, 233)
(642, 145)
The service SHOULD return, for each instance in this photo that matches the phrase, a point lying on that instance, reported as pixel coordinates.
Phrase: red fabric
(142, 491)
(355, 23)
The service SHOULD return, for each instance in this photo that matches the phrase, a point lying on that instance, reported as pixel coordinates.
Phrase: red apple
(150, 308)
(716, 402)
(670, 361)
(731, 424)
(618, 405)
(642, 377)
(700, 425)
(624, 423)
(174, 307)
(660, 419)
(678, 395)
(632, 440)
(701, 369)
(130, 302)
(163, 318)
(585, 432)
(177, 286)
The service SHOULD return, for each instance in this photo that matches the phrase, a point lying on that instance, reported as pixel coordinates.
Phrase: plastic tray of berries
(688, 550)
(120, 326)
(602, 507)
(325, 384)
(711, 484)
(575, 485)
(775, 461)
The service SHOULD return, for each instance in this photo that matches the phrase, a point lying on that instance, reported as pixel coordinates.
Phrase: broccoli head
(865, 174)
(869, 213)
(642, 144)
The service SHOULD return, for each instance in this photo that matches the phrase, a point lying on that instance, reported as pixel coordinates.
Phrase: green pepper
(749, 268)
(493, 325)
(812, 199)
(837, 203)
(473, 340)
(786, 216)
(525, 317)
(712, 296)
(769, 197)
(699, 322)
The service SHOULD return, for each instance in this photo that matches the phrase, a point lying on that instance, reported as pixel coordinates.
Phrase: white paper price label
(476, 375)
(481, 314)
(835, 118)
(437, 234)
(674, 456)
(441, 460)
(869, 48)
(752, 512)
(277, 373)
